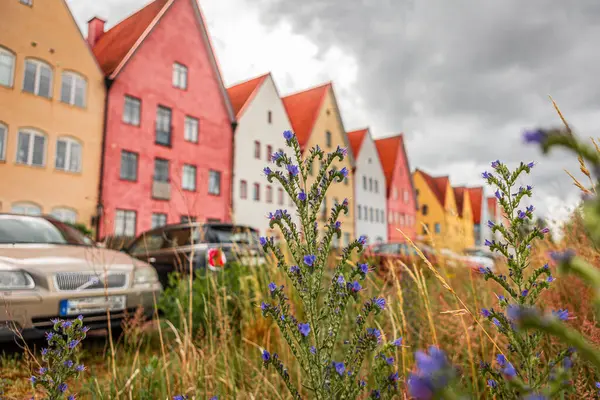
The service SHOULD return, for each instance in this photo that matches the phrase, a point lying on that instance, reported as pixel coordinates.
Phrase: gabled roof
(459, 195)
(476, 197)
(438, 185)
(303, 110)
(356, 139)
(241, 94)
(388, 149)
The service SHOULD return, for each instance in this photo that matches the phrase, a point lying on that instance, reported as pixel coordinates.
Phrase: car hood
(59, 258)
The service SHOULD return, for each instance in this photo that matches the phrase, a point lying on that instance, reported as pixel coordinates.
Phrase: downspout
(99, 205)
(234, 125)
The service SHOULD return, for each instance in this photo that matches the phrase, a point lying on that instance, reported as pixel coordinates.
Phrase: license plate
(91, 305)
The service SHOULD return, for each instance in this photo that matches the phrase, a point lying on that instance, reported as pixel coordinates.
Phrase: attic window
(370, 161)
(328, 139)
(27, 2)
(180, 76)
(269, 117)
(328, 112)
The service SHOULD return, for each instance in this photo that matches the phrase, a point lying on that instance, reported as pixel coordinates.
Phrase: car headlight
(145, 276)
(15, 280)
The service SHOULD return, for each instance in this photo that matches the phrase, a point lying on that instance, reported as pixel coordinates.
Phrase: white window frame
(32, 134)
(185, 178)
(180, 76)
(64, 214)
(219, 175)
(128, 119)
(26, 2)
(27, 206)
(3, 140)
(158, 220)
(188, 134)
(70, 142)
(75, 77)
(11, 55)
(123, 230)
(406, 196)
(36, 86)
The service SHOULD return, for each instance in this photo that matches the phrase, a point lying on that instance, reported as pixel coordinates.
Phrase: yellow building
(316, 120)
(438, 214)
(51, 113)
(465, 212)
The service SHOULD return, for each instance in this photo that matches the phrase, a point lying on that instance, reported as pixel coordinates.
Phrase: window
(189, 178)
(269, 194)
(64, 215)
(335, 242)
(256, 192)
(328, 139)
(371, 214)
(257, 149)
(376, 186)
(370, 184)
(395, 193)
(163, 126)
(365, 183)
(359, 212)
(214, 182)
(27, 2)
(131, 111)
(280, 196)
(405, 196)
(73, 89)
(376, 215)
(129, 165)
(68, 155)
(158, 220)
(346, 181)
(191, 129)
(3, 134)
(31, 148)
(243, 190)
(269, 152)
(346, 239)
(38, 78)
(180, 73)
(7, 67)
(390, 218)
(125, 223)
(26, 209)
(161, 170)
(438, 227)
(269, 117)
(425, 209)
(401, 219)
(186, 218)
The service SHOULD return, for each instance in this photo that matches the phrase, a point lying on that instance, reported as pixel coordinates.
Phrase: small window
(7, 67)
(346, 181)
(376, 184)
(269, 152)
(161, 170)
(425, 209)
(191, 129)
(364, 183)
(243, 190)
(256, 192)
(125, 221)
(269, 117)
(31, 148)
(189, 178)
(280, 196)
(370, 184)
(180, 76)
(37, 78)
(163, 126)
(131, 111)
(129, 166)
(328, 139)
(27, 2)
(346, 239)
(3, 135)
(257, 149)
(26, 208)
(269, 194)
(390, 218)
(371, 214)
(68, 155)
(73, 89)
(158, 220)
(64, 215)
(186, 219)
(359, 212)
(438, 227)
(405, 196)
(214, 182)
(395, 193)
(401, 219)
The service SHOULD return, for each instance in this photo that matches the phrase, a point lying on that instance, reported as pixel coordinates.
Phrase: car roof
(181, 225)
(23, 216)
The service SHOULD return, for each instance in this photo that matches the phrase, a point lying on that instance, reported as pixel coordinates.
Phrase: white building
(370, 201)
(262, 119)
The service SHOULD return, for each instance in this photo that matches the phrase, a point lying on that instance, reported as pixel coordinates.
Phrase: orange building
(51, 113)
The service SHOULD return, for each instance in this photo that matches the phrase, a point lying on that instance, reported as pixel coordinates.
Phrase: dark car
(202, 246)
(384, 254)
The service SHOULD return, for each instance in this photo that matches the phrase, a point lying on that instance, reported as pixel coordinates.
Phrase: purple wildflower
(293, 169)
(498, 194)
(485, 312)
(491, 224)
(509, 371)
(501, 360)
(66, 324)
(496, 322)
(486, 175)
(68, 363)
(180, 397)
(376, 333)
(492, 383)
(561, 314)
(355, 286)
(294, 269)
(302, 196)
(49, 336)
(390, 360)
(397, 342)
(62, 387)
(80, 368)
(495, 164)
(362, 240)
(522, 215)
(339, 367)
(313, 350)
(73, 343)
(535, 136)
(264, 306)
(562, 256)
(530, 165)
(550, 279)
(42, 370)
(304, 329)
(364, 268)
(341, 280)
(267, 171)
(342, 150)
(288, 135)
(344, 172)
(524, 293)
(545, 231)
(263, 241)
(380, 302)
(33, 379)
(266, 356)
(276, 156)
(44, 351)
(309, 259)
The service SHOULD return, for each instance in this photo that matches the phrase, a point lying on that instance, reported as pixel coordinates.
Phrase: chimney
(95, 30)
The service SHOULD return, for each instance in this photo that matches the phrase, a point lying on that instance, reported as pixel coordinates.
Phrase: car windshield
(233, 234)
(17, 229)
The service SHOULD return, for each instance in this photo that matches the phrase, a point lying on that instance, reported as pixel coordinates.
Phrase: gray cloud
(464, 78)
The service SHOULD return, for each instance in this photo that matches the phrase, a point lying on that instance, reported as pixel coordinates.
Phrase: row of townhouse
(132, 128)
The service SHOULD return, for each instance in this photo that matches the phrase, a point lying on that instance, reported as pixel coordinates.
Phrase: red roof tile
(476, 197)
(114, 45)
(388, 152)
(459, 195)
(303, 110)
(438, 186)
(241, 93)
(356, 139)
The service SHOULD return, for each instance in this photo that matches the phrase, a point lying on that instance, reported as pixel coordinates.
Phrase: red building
(169, 124)
(401, 199)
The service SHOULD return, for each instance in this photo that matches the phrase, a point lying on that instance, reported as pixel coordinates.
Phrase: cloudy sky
(461, 79)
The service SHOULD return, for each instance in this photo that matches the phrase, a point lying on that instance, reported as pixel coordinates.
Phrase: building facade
(465, 213)
(262, 119)
(400, 189)
(370, 200)
(480, 215)
(169, 137)
(51, 113)
(316, 120)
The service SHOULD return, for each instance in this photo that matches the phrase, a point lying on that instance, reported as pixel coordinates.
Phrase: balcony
(161, 190)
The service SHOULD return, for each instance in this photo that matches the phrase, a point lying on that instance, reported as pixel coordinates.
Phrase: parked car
(48, 269)
(382, 254)
(475, 258)
(202, 246)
